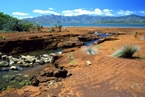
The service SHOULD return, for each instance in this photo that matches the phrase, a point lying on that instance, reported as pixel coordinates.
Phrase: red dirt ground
(105, 77)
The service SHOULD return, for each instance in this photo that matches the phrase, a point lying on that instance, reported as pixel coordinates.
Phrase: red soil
(105, 77)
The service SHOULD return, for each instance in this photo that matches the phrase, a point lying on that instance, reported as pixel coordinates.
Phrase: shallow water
(101, 35)
(28, 71)
(100, 25)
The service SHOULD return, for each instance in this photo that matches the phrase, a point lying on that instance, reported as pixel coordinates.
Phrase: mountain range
(54, 19)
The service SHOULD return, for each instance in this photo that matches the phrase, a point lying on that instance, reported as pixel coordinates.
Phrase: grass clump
(91, 50)
(143, 38)
(126, 51)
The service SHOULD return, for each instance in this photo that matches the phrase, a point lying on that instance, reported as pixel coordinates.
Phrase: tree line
(9, 23)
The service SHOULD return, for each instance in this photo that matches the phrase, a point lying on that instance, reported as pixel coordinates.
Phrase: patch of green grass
(99, 47)
(70, 56)
(73, 62)
(126, 51)
(113, 48)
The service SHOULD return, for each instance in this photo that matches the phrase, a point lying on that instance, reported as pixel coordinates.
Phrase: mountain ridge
(55, 19)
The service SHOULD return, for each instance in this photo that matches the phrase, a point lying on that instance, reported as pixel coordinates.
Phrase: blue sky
(33, 8)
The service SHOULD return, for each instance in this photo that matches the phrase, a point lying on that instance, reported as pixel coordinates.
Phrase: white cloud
(80, 11)
(122, 12)
(49, 11)
(20, 14)
(50, 8)
(97, 11)
(107, 12)
(143, 12)
(67, 13)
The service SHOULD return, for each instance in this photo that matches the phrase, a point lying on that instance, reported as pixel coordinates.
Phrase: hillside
(52, 19)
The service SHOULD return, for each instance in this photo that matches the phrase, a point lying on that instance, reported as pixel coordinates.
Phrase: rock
(71, 42)
(26, 76)
(59, 53)
(51, 59)
(30, 59)
(4, 64)
(43, 79)
(41, 62)
(1, 54)
(4, 57)
(15, 59)
(60, 73)
(88, 37)
(13, 68)
(11, 62)
(21, 61)
(10, 57)
(23, 57)
(48, 72)
(25, 64)
(34, 81)
(45, 55)
(52, 54)
(88, 63)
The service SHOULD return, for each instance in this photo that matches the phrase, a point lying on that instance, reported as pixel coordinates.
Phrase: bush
(52, 29)
(59, 27)
(136, 34)
(126, 51)
(9, 24)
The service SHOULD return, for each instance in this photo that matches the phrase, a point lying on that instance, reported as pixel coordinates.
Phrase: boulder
(4, 64)
(60, 73)
(34, 81)
(11, 62)
(4, 57)
(30, 59)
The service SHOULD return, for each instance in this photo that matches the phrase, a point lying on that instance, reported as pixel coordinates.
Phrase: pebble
(88, 63)
(13, 68)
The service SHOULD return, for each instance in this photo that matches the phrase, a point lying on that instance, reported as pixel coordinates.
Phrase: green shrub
(52, 29)
(59, 27)
(136, 34)
(126, 51)
(10, 24)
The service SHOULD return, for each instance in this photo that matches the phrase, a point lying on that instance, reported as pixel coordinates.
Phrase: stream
(19, 75)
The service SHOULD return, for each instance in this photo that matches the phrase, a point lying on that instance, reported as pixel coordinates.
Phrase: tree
(38, 27)
(59, 27)
(8, 23)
